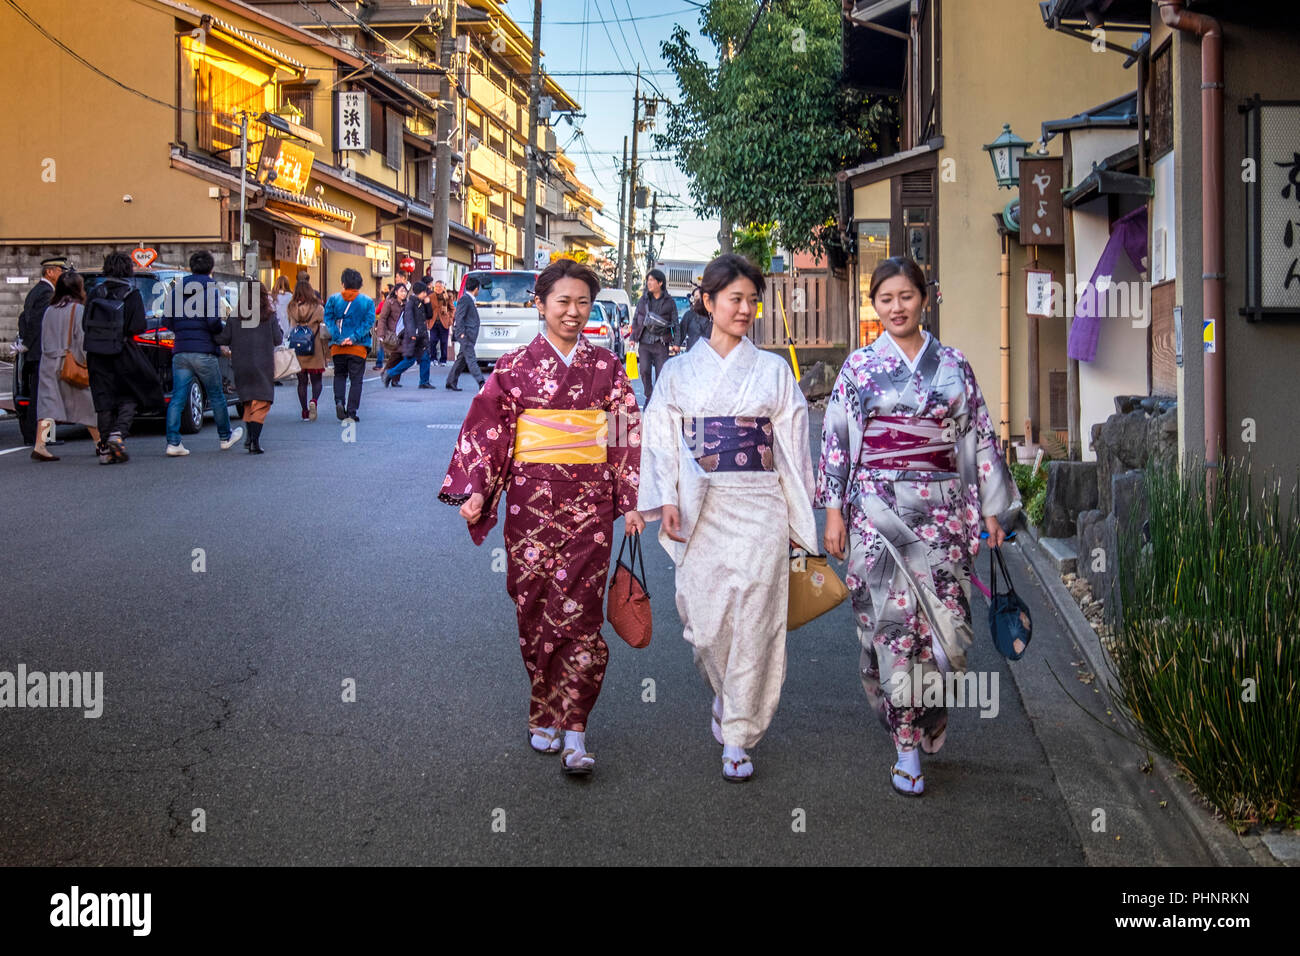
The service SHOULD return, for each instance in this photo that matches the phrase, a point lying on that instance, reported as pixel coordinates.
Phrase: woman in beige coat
(61, 332)
(305, 309)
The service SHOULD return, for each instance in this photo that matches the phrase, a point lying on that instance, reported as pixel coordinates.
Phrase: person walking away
(422, 353)
(194, 312)
(654, 329)
(556, 430)
(464, 332)
(37, 301)
(413, 335)
(283, 296)
(725, 465)
(444, 308)
(349, 317)
(305, 311)
(61, 334)
(910, 474)
(252, 340)
(122, 379)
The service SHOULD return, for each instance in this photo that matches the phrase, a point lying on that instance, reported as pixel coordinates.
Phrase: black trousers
(348, 369)
(650, 359)
(28, 379)
(438, 344)
(115, 403)
(466, 361)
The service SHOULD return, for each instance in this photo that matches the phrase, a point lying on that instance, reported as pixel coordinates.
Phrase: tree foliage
(762, 136)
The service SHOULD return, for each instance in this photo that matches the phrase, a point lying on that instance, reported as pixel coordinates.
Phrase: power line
(637, 32)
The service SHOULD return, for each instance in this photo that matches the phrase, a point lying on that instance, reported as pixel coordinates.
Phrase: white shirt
(911, 362)
(566, 359)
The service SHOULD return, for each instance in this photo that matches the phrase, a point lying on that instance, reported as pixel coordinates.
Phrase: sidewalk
(1103, 761)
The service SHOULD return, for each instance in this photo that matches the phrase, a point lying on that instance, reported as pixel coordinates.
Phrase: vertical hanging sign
(352, 121)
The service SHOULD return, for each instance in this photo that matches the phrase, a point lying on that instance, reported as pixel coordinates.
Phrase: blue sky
(575, 42)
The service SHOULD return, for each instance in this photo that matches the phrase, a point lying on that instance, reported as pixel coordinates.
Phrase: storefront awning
(331, 237)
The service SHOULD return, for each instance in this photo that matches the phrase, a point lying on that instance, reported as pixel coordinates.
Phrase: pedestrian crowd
(909, 472)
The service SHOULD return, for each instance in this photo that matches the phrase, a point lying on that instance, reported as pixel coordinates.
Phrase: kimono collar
(911, 362)
(540, 349)
(573, 353)
(743, 354)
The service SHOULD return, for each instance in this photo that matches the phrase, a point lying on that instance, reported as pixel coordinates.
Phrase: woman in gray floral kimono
(909, 475)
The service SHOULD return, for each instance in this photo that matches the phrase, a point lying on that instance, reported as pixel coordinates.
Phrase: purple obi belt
(730, 444)
(902, 443)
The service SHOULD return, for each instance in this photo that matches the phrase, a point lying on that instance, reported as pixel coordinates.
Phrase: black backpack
(103, 322)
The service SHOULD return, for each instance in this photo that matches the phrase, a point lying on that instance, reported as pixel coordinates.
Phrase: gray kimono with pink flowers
(910, 457)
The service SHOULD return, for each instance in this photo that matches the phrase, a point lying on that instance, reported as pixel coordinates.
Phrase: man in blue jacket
(349, 317)
(194, 313)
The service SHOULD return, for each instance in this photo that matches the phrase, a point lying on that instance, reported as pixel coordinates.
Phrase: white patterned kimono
(909, 455)
(748, 494)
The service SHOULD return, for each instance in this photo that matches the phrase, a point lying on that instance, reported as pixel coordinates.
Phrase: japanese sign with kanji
(351, 121)
(284, 164)
(1042, 216)
(1279, 207)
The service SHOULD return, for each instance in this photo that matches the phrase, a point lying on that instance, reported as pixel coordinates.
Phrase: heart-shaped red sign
(143, 257)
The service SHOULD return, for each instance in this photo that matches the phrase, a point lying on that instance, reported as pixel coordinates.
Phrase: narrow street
(327, 561)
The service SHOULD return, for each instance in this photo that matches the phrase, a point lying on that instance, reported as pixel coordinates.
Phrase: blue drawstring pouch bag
(1009, 618)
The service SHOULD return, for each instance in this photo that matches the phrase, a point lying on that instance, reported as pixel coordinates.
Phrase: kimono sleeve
(661, 449)
(481, 461)
(835, 464)
(794, 461)
(624, 441)
(980, 463)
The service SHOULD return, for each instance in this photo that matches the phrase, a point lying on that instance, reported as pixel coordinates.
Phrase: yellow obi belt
(562, 436)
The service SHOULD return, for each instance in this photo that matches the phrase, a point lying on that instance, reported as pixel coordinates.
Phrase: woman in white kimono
(910, 461)
(725, 464)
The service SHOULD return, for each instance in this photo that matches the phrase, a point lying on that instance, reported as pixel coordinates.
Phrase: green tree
(755, 243)
(762, 135)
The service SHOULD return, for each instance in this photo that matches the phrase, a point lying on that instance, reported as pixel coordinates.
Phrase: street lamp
(1006, 152)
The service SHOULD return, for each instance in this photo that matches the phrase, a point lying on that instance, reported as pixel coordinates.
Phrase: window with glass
(873, 249)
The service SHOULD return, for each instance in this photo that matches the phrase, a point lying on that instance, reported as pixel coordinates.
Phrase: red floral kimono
(560, 507)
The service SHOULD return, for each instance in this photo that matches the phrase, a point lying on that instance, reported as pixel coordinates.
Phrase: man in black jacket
(122, 379)
(464, 332)
(29, 329)
(654, 329)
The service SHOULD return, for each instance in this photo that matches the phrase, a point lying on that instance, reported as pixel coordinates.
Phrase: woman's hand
(996, 534)
(472, 510)
(836, 536)
(633, 523)
(672, 519)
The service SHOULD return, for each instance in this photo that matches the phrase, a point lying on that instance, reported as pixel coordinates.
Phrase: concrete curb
(1227, 848)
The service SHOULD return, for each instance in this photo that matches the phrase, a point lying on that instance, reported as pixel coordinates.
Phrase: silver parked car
(507, 313)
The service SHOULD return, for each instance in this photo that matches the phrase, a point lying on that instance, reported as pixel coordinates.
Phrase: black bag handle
(993, 574)
(633, 558)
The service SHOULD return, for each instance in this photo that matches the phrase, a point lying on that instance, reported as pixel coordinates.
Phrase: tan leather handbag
(72, 371)
(814, 589)
(628, 604)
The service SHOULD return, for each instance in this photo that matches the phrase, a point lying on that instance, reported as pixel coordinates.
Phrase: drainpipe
(1004, 427)
(1212, 278)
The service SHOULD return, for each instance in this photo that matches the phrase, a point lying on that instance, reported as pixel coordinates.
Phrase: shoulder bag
(72, 371)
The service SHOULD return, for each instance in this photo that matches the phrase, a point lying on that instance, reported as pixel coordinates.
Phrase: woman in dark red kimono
(556, 428)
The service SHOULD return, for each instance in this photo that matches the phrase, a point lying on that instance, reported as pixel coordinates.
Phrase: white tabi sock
(909, 761)
(734, 755)
(576, 740)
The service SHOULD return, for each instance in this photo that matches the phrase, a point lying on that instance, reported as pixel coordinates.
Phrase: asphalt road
(327, 561)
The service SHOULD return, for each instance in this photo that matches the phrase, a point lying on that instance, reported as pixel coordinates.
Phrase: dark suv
(156, 286)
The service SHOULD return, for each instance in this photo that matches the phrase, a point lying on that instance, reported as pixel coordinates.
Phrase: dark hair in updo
(565, 269)
(726, 269)
(899, 266)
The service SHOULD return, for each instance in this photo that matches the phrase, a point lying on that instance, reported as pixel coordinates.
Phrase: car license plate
(499, 333)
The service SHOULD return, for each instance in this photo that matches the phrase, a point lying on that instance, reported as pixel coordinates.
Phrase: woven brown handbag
(814, 589)
(628, 604)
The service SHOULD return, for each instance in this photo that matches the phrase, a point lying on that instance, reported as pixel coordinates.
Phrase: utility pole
(631, 205)
(243, 202)
(530, 202)
(442, 150)
(622, 216)
(650, 237)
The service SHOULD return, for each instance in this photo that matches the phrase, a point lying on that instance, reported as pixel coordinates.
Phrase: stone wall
(24, 262)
